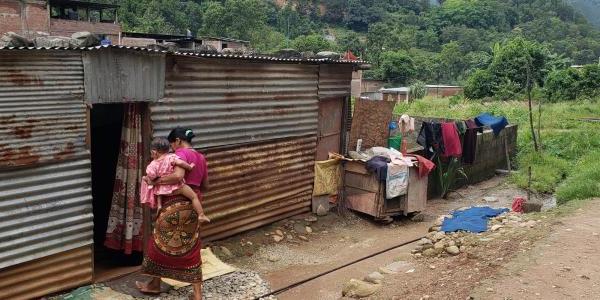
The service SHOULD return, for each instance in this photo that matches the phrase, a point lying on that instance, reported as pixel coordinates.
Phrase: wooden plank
(417, 192)
(370, 123)
(362, 202)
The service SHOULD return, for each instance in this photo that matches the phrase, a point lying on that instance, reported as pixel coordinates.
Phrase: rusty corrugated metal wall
(335, 80)
(114, 75)
(257, 124)
(47, 275)
(45, 188)
(230, 102)
(257, 184)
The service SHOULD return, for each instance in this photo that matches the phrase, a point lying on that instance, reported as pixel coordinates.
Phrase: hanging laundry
(425, 165)
(430, 137)
(496, 123)
(451, 140)
(462, 127)
(396, 180)
(470, 142)
(407, 124)
(378, 165)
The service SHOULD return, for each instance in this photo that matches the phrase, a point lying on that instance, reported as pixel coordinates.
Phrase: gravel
(235, 286)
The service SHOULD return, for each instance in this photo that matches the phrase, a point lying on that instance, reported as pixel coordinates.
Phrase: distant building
(441, 91)
(59, 18)
(371, 85)
(400, 94)
(221, 43)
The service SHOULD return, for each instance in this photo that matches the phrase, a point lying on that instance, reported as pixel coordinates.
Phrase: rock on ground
(374, 278)
(359, 289)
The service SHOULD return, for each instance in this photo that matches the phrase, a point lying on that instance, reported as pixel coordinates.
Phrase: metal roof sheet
(203, 55)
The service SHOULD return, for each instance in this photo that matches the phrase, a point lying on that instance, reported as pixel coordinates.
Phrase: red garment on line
(425, 165)
(451, 140)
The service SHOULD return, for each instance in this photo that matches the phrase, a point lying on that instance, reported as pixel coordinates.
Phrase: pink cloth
(451, 140)
(158, 168)
(200, 170)
(518, 203)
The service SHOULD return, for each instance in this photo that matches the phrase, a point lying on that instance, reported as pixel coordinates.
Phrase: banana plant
(448, 174)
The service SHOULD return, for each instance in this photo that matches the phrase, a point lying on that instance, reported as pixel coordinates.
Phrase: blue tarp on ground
(473, 219)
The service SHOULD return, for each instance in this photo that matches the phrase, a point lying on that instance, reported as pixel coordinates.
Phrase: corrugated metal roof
(45, 176)
(228, 104)
(34, 279)
(203, 55)
(255, 184)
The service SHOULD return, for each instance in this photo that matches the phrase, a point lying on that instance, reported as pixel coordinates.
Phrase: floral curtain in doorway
(125, 218)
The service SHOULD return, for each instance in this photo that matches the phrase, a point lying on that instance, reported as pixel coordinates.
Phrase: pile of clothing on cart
(392, 167)
(457, 139)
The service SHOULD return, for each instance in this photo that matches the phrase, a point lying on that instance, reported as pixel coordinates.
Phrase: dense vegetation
(406, 40)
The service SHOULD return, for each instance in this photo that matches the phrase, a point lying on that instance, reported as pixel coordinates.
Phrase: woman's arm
(175, 177)
(183, 164)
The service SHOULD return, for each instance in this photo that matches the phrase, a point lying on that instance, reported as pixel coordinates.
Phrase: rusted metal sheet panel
(42, 114)
(229, 103)
(45, 177)
(51, 274)
(44, 210)
(256, 184)
(123, 75)
(330, 127)
(334, 80)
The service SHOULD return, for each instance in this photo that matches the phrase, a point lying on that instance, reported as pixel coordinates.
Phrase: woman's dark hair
(183, 134)
(160, 144)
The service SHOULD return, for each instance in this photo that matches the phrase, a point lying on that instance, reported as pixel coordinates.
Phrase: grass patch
(584, 181)
(565, 165)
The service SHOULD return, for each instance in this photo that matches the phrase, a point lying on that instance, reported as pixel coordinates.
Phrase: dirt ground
(554, 258)
(337, 239)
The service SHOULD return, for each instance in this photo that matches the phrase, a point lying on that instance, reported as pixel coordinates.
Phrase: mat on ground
(212, 267)
(473, 219)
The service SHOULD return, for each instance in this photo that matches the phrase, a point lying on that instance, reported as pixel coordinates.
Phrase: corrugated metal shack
(261, 121)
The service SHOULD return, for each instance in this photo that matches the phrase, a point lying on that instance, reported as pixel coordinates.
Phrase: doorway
(106, 123)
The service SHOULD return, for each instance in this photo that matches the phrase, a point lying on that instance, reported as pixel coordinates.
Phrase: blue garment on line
(473, 219)
(496, 123)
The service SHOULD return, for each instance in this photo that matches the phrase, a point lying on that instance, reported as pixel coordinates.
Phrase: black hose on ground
(301, 282)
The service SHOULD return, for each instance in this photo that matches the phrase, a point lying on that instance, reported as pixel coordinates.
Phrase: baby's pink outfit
(159, 168)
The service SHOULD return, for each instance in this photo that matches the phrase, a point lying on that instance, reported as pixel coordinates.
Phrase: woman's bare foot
(203, 219)
(149, 287)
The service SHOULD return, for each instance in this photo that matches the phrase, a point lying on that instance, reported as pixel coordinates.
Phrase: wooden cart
(365, 193)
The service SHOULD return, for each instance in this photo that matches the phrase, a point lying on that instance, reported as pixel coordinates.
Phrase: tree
(397, 67)
(518, 56)
(481, 84)
(235, 18)
(313, 43)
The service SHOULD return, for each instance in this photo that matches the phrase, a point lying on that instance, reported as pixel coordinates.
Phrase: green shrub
(480, 85)
(562, 85)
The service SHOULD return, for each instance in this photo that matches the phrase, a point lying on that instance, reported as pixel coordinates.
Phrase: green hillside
(406, 40)
(590, 9)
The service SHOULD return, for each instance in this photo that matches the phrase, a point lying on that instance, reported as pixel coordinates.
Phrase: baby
(163, 164)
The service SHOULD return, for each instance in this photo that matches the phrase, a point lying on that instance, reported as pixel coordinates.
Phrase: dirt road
(563, 265)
